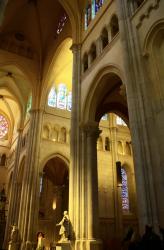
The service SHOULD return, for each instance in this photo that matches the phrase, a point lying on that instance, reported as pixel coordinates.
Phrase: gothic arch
(74, 17)
(153, 50)
(47, 81)
(100, 89)
(62, 157)
(151, 35)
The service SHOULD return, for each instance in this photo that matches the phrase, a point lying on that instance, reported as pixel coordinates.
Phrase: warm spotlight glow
(54, 204)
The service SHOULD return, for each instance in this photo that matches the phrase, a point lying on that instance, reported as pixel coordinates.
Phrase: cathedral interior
(81, 121)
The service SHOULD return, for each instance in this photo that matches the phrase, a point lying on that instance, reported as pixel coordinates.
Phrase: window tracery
(3, 126)
(29, 104)
(92, 8)
(61, 98)
(119, 121)
(61, 24)
(124, 193)
(52, 97)
(69, 101)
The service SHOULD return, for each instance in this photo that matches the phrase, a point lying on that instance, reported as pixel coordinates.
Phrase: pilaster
(136, 97)
(12, 217)
(27, 222)
(74, 175)
(89, 221)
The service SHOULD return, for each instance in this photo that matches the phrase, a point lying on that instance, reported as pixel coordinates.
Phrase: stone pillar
(136, 97)
(89, 237)
(116, 187)
(12, 217)
(74, 175)
(29, 205)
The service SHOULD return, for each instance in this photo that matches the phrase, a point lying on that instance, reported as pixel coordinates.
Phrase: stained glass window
(119, 121)
(91, 10)
(85, 21)
(69, 101)
(124, 194)
(104, 117)
(41, 183)
(52, 97)
(3, 126)
(29, 103)
(61, 24)
(98, 4)
(62, 96)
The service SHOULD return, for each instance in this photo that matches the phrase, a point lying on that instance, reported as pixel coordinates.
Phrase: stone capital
(36, 111)
(75, 47)
(91, 129)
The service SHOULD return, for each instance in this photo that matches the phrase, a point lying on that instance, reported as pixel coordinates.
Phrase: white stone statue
(40, 241)
(64, 229)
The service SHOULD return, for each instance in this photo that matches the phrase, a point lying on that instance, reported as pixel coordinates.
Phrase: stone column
(12, 217)
(90, 215)
(74, 175)
(136, 97)
(29, 205)
(116, 187)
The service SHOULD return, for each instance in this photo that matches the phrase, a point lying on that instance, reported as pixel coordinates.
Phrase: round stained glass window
(3, 126)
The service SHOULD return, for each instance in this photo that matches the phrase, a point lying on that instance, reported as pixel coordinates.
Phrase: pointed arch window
(98, 4)
(29, 103)
(3, 127)
(90, 12)
(52, 97)
(61, 23)
(62, 96)
(69, 101)
(119, 121)
(104, 117)
(41, 183)
(124, 193)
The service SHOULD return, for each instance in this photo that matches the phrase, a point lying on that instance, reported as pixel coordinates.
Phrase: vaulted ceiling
(32, 24)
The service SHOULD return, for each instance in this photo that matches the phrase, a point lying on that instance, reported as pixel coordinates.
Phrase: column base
(63, 246)
(13, 246)
(88, 245)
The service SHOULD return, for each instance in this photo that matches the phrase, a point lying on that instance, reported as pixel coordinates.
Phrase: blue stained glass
(52, 98)
(93, 9)
(61, 97)
(69, 101)
(98, 4)
(124, 194)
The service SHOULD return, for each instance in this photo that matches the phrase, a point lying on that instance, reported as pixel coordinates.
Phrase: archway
(54, 185)
(105, 97)
(116, 182)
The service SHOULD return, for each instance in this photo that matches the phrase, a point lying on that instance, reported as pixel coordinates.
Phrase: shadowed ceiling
(32, 22)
